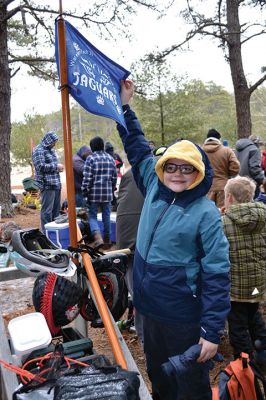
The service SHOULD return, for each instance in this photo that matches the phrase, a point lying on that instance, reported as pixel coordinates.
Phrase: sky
(203, 60)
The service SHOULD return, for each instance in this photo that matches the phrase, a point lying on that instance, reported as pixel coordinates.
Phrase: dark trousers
(50, 208)
(245, 326)
(164, 340)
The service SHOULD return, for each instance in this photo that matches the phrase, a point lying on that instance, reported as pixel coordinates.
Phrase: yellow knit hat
(183, 150)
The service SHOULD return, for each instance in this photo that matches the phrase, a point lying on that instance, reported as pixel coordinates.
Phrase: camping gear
(242, 380)
(30, 184)
(33, 253)
(111, 383)
(58, 232)
(58, 299)
(61, 377)
(28, 332)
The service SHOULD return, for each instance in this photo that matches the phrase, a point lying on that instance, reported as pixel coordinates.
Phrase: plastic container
(58, 233)
(113, 225)
(28, 332)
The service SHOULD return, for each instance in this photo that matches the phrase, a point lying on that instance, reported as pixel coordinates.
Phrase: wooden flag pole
(67, 131)
(73, 228)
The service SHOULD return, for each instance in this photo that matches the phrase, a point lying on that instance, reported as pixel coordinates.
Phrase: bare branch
(11, 13)
(7, 2)
(257, 84)
(14, 72)
(252, 36)
(29, 60)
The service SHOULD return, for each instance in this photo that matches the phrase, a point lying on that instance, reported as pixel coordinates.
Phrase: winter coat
(78, 166)
(46, 163)
(129, 206)
(244, 227)
(263, 160)
(224, 162)
(181, 260)
(99, 177)
(249, 157)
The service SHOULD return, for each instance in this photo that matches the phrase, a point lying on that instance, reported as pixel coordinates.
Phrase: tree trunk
(241, 89)
(5, 124)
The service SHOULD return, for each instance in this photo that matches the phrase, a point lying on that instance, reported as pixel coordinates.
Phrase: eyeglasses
(185, 169)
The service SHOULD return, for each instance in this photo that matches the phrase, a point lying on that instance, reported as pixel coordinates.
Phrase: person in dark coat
(78, 166)
(47, 176)
(249, 156)
(129, 205)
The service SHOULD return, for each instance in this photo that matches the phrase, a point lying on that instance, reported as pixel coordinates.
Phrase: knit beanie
(186, 151)
(213, 133)
(97, 144)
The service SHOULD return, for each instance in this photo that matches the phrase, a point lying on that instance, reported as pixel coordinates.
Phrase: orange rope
(27, 376)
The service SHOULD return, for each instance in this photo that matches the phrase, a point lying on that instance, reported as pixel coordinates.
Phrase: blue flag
(93, 78)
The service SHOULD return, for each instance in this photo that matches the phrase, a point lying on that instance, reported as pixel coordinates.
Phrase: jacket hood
(109, 147)
(49, 139)
(211, 145)
(248, 216)
(242, 144)
(186, 197)
(187, 151)
(84, 152)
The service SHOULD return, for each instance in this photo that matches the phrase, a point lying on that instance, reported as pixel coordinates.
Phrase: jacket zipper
(151, 239)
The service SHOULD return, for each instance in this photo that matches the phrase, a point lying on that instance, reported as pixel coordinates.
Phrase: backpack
(240, 380)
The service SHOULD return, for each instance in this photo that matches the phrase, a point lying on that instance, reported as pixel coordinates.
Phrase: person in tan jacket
(224, 163)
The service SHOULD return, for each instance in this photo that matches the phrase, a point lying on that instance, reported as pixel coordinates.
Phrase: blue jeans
(163, 340)
(80, 202)
(106, 212)
(50, 209)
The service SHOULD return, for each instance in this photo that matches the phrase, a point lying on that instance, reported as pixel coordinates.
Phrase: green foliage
(23, 133)
(189, 111)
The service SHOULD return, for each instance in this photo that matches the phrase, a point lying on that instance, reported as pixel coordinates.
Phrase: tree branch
(7, 2)
(252, 36)
(15, 72)
(11, 13)
(257, 84)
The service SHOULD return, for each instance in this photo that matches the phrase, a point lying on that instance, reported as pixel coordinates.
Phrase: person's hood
(249, 217)
(211, 145)
(108, 147)
(183, 150)
(201, 188)
(242, 144)
(84, 152)
(49, 139)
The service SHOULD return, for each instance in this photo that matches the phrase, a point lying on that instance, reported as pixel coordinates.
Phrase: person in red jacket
(263, 160)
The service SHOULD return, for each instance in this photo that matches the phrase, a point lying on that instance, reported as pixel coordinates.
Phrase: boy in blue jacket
(181, 265)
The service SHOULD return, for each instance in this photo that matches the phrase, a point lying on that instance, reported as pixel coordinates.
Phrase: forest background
(169, 106)
(188, 110)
